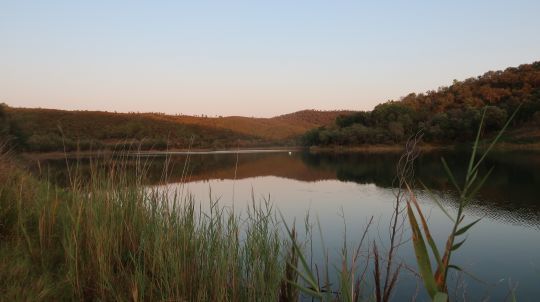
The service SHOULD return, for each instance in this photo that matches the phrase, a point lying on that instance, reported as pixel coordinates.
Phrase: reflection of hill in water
(257, 165)
(510, 194)
(209, 166)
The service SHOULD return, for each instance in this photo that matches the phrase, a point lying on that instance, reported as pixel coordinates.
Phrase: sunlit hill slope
(34, 129)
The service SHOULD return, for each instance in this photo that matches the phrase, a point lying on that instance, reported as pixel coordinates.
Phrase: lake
(343, 191)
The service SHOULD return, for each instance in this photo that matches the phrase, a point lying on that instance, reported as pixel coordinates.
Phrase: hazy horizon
(251, 59)
(167, 113)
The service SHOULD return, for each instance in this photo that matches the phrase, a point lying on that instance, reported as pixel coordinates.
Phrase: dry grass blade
(377, 273)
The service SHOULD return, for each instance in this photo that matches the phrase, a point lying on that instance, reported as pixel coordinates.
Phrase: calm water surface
(345, 190)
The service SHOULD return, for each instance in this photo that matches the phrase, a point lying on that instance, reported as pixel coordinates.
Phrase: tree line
(448, 114)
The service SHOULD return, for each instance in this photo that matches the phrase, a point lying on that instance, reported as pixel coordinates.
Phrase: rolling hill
(448, 115)
(34, 129)
(445, 116)
(281, 127)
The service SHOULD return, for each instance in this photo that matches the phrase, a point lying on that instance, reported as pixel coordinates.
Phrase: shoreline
(374, 148)
(106, 152)
(313, 149)
(501, 146)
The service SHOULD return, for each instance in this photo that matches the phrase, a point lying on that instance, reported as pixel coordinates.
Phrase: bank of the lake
(134, 151)
(297, 183)
(379, 148)
(423, 147)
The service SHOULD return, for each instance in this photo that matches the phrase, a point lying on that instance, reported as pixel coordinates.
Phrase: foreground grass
(110, 237)
(113, 239)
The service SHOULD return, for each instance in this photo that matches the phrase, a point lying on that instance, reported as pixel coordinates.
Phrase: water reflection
(505, 244)
(509, 195)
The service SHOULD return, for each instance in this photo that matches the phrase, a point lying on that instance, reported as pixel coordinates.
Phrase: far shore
(375, 148)
(106, 152)
(394, 148)
(501, 146)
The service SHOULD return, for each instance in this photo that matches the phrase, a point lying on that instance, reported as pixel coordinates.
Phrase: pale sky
(252, 58)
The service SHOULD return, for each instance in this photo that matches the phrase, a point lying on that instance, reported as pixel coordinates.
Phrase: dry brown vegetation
(45, 130)
(276, 128)
(289, 167)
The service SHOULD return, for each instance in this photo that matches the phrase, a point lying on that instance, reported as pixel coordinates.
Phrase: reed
(108, 237)
(385, 268)
(435, 281)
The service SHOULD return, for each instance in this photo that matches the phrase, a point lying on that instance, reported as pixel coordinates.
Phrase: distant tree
(396, 130)
(495, 118)
(343, 121)
(446, 114)
(388, 112)
(346, 120)
(325, 137)
(311, 137)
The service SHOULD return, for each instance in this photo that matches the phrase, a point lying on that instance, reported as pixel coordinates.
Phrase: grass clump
(111, 238)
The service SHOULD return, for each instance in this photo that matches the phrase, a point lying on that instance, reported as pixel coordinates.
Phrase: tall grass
(108, 237)
(435, 281)
(433, 278)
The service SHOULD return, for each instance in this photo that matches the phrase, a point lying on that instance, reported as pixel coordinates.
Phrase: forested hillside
(446, 115)
(53, 130)
(58, 130)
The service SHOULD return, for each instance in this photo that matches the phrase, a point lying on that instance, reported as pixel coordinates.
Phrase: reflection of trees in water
(378, 169)
(179, 167)
(483, 207)
(519, 216)
(514, 177)
(202, 167)
(510, 193)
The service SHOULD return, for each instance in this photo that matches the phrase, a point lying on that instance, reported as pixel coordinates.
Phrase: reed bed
(108, 237)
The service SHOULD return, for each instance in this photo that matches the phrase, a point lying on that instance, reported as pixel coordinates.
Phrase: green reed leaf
(422, 256)
(466, 228)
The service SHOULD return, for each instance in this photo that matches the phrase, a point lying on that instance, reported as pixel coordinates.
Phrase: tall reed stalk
(435, 282)
(109, 237)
